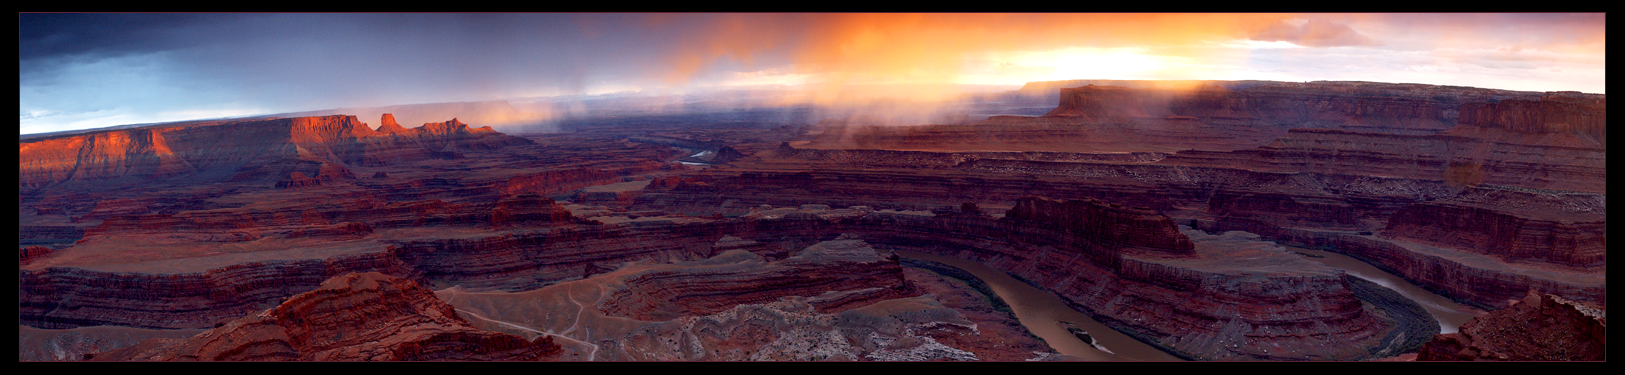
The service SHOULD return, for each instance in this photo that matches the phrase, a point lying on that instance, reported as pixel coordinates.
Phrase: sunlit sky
(81, 71)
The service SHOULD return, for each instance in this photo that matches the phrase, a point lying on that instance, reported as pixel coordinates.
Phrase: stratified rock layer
(1540, 327)
(1561, 112)
(65, 297)
(240, 150)
(837, 274)
(353, 317)
(1107, 222)
(1233, 115)
(1502, 234)
(1462, 157)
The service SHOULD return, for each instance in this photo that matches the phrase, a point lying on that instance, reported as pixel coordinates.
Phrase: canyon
(1165, 212)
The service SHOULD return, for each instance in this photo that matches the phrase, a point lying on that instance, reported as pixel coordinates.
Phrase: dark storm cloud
(293, 62)
(45, 36)
(48, 43)
(409, 43)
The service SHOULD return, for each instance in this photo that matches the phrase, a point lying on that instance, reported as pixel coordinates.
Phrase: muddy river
(1042, 313)
(1046, 315)
(1449, 313)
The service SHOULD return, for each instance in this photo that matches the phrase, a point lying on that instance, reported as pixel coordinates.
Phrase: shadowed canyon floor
(1167, 224)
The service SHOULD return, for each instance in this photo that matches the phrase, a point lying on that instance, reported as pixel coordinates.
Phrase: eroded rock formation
(1512, 237)
(66, 297)
(1106, 222)
(1539, 327)
(239, 150)
(1236, 115)
(1560, 112)
(352, 317)
(836, 275)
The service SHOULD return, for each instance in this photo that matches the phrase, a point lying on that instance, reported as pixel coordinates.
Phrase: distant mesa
(497, 113)
(1362, 106)
(249, 151)
(1123, 116)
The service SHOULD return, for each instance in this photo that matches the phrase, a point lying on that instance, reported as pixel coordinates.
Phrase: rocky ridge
(352, 317)
(834, 274)
(1238, 115)
(1539, 327)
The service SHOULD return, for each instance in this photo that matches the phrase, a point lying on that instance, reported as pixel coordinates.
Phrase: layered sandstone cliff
(352, 317)
(1558, 112)
(1280, 104)
(1234, 115)
(1107, 222)
(134, 154)
(337, 217)
(1464, 159)
(837, 274)
(218, 151)
(66, 297)
(938, 160)
(1512, 237)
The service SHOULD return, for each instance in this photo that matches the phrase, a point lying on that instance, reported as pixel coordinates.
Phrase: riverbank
(1042, 313)
(1413, 325)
